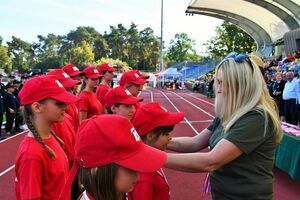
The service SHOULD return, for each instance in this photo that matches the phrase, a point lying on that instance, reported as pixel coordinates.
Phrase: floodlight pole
(161, 64)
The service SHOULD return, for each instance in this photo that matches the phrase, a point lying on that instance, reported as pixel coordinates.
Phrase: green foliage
(19, 50)
(82, 54)
(230, 38)
(129, 48)
(5, 60)
(182, 49)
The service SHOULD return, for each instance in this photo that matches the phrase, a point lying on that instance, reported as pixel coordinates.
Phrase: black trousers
(18, 120)
(9, 121)
(290, 111)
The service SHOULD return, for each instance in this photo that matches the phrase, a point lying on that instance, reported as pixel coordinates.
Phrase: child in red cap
(154, 124)
(107, 75)
(66, 128)
(133, 82)
(74, 74)
(109, 163)
(121, 102)
(89, 104)
(41, 165)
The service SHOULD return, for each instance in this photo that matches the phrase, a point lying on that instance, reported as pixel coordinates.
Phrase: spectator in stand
(298, 97)
(89, 104)
(289, 96)
(133, 83)
(107, 75)
(276, 91)
(269, 82)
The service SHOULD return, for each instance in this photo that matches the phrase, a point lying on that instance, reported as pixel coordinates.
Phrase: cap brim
(112, 69)
(66, 97)
(140, 81)
(155, 159)
(172, 119)
(130, 100)
(75, 73)
(68, 83)
(145, 76)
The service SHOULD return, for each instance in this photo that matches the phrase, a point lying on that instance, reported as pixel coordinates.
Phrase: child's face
(126, 180)
(124, 110)
(52, 110)
(108, 76)
(162, 141)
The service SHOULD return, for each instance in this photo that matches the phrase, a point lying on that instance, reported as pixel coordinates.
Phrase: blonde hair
(244, 89)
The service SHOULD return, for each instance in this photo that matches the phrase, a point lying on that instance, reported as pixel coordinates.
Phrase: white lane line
(179, 111)
(151, 95)
(199, 121)
(7, 170)
(195, 105)
(11, 137)
(200, 99)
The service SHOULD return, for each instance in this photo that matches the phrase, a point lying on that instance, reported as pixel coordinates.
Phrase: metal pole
(161, 64)
(161, 36)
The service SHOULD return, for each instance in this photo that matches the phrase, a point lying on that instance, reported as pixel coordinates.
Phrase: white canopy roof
(265, 20)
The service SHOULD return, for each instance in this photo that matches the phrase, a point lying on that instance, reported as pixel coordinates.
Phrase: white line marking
(151, 95)
(199, 121)
(194, 105)
(7, 170)
(12, 137)
(179, 111)
(200, 99)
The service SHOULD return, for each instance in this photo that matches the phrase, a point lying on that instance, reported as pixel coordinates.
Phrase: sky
(28, 18)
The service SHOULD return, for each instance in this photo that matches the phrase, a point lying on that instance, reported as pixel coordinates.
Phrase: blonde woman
(242, 137)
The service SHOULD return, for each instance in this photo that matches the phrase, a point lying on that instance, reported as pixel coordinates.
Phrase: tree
(230, 38)
(82, 54)
(19, 51)
(181, 48)
(5, 60)
(149, 53)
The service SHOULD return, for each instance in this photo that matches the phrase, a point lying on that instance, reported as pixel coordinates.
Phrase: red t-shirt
(101, 92)
(65, 131)
(38, 175)
(72, 110)
(89, 102)
(151, 186)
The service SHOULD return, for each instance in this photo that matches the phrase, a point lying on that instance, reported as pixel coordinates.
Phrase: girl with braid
(41, 166)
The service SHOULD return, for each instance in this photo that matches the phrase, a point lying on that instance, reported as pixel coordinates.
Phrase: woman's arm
(190, 144)
(223, 153)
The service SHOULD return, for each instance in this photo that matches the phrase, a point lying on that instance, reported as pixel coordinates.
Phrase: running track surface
(184, 186)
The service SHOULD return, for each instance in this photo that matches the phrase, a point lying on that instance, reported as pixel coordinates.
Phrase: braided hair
(28, 119)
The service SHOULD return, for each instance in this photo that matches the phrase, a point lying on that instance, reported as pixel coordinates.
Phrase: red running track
(184, 186)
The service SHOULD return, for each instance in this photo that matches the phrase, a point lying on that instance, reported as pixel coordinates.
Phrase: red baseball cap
(131, 77)
(71, 70)
(106, 139)
(152, 115)
(64, 78)
(143, 76)
(91, 72)
(120, 95)
(42, 87)
(105, 67)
